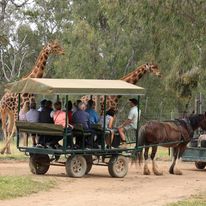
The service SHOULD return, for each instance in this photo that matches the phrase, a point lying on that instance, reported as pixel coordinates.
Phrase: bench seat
(40, 128)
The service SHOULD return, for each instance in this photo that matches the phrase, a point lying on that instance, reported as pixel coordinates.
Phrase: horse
(175, 134)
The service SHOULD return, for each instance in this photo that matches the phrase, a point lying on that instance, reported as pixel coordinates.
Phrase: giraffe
(132, 77)
(9, 101)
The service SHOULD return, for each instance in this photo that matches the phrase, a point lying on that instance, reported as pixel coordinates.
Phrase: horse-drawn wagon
(77, 161)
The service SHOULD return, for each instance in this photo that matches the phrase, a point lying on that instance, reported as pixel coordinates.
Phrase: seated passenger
(45, 113)
(32, 116)
(22, 117)
(93, 116)
(23, 111)
(70, 112)
(42, 105)
(109, 122)
(45, 117)
(59, 116)
(81, 117)
(130, 122)
(76, 104)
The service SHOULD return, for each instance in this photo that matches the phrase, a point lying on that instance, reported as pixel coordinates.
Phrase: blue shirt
(93, 116)
(81, 117)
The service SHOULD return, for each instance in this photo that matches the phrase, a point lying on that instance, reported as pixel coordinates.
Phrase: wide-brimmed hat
(134, 101)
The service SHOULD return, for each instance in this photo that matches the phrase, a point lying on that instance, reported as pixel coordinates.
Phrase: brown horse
(175, 134)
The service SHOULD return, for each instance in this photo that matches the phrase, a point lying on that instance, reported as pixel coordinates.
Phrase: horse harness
(183, 123)
(186, 124)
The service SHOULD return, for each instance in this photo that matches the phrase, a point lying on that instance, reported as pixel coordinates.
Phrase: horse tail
(138, 155)
(141, 142)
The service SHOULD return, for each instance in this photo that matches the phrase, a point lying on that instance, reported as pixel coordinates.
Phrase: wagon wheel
(89, 161)
(118, 166)
(39, 163)
(200, 165)
(76, 166)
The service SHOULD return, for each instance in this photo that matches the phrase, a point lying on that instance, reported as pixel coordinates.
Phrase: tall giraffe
(9, 101)
(132, 77)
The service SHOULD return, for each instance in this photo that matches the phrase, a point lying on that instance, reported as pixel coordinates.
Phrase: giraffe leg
(4, 128)
(11, 130)
(7, 144)
(8, 149)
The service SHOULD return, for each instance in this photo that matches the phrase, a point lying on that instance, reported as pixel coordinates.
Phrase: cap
(134, 101)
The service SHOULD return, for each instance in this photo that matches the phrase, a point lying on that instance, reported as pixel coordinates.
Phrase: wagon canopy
(74, 86)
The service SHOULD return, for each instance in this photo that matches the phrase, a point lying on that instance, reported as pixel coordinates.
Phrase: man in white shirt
(131, 122)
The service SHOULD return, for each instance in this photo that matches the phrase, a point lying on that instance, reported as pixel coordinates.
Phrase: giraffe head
(54, 47)
(153, 68)
(38, 69)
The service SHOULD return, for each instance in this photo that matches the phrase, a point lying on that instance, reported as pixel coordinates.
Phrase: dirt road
(98, 188)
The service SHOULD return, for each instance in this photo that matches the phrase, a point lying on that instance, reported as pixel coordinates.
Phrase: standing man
(131, 122)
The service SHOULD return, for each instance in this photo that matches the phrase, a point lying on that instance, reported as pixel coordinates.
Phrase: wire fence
(154, 110)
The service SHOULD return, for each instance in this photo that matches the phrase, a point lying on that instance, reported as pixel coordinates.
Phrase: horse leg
(171, 170)
(154, 164)
(146, 169)
(181, 150)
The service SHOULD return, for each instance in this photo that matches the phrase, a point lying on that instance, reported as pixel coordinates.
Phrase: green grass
(193, 201)
(12, 187)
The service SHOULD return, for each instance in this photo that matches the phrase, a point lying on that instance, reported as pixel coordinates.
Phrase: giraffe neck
(38, 69)
(131, 78)
(134, 76)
